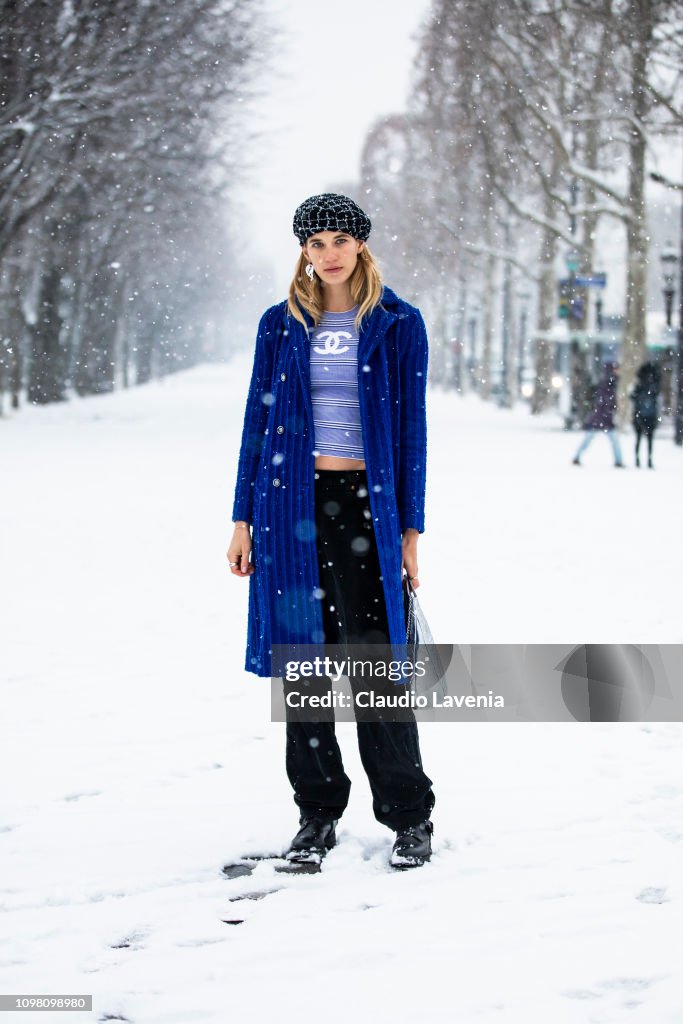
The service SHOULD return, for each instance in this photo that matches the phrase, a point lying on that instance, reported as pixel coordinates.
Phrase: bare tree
(121, 133)
(546, 110)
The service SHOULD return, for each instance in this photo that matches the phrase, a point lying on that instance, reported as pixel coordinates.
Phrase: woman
(331, 482)
(645, 398)
(602, 416)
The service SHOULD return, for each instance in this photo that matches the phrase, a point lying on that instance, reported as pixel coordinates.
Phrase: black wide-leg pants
(354, 612)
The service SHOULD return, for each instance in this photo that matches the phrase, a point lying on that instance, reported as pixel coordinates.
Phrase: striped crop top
(334, 386)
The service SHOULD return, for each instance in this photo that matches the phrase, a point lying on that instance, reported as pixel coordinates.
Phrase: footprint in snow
(72, 797)
(582, 993)
(133, 941)
(629, 984)
(652, 895)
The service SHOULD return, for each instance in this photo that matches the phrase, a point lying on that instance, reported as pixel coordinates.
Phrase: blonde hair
(365, 285)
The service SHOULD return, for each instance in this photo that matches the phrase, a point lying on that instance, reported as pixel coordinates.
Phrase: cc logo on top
(333, 340)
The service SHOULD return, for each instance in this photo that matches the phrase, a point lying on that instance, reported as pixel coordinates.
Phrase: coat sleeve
(413, 398)
(255, 420)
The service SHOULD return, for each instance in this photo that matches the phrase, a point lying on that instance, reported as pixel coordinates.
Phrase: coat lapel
(372, 332)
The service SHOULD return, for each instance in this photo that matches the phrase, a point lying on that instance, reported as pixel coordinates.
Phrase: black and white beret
(330, 212)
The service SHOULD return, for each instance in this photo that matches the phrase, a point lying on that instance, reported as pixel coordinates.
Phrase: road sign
(576, 309)
(591, 281)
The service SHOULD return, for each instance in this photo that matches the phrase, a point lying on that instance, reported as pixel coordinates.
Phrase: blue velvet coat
(275, 482)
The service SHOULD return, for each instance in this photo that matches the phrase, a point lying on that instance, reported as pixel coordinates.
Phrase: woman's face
(334, 255)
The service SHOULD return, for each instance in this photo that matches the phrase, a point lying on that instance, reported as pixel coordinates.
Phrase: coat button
(283, 376)
(280, 429)
(276, 482)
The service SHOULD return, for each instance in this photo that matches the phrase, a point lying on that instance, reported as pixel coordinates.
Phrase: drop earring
(309, 271)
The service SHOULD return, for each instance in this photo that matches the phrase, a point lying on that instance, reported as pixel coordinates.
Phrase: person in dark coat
(645, 398)
(601, 418)
(329, 504)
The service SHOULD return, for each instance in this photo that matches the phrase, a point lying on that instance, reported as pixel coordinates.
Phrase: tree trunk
(11, 336)
(634, 343)
(96, 360)
(547, 301)
(47, 365)
(459, 354)
(144, 348)
(487, 319)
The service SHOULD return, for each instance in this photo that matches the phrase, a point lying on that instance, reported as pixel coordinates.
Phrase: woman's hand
(409, 553)
(239, 551)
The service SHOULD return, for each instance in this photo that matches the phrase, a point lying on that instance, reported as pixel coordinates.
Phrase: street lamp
(572, 259)
(669, 259)
(678, 364)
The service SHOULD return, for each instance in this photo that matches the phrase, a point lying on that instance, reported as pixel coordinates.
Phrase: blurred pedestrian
(645, 398)
(601, 417)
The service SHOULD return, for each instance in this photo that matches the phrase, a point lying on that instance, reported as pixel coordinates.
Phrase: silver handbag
(421, 646)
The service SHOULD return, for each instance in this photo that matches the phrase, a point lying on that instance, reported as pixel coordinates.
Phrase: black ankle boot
(312, 841)
(413, 845)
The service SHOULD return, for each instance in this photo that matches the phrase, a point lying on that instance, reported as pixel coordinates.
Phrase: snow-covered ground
(138, 756)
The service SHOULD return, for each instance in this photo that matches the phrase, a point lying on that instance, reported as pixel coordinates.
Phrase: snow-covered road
(138, 756)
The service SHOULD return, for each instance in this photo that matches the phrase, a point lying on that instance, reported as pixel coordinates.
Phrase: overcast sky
(339, 66)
